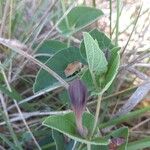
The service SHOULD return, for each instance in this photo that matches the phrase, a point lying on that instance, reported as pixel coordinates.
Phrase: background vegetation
(32, 31)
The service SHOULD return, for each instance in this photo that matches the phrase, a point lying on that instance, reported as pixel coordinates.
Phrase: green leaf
(103, 41)
(139, 144)
(64, 97)
(123, 118)
(95, 56)
(122, 133)
(113, 60)
(48, 49)
(59, 140)
(87, 78)
(119, 133)
(113, 66)
(57, 63)
(78, 18)
(66, 125)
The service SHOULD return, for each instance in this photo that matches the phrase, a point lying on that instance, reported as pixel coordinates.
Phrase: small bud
(78, 95)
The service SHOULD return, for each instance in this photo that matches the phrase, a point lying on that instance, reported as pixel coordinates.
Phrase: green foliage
(97, 44)
(49, 48)
(103, 41)
(95, 56)
(112, 71)
(66, 125)
(58, 63)
(118, 133)
(78, 18)
(34, 23)
(123, 118)
(139, 144)
(59, 140)
(123, 133)
(87, 78)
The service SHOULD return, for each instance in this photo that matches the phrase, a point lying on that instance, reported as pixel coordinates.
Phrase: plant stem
(6, 118)
(88, 146)
(115, 94)
(66, 20)
(94, 80)
(2, 27)
(110, 17)
(117, 22)
(97, 113)
(136, 20)
(113, 30)
(18, 145)
(10, 18)
(64, 10)
(9, 88)
(94, 3)
(80, 146)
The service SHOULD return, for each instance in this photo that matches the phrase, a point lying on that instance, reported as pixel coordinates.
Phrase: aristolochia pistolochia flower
(78, 95)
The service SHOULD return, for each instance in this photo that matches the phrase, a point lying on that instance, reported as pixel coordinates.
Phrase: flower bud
(78, 95)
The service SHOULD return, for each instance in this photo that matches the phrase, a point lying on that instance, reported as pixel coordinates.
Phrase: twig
(142, 65)
(135, 61)
(34, 114)
(109, 97)
(139, 124)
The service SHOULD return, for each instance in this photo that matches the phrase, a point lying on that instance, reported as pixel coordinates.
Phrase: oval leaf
(48, 49)
(66, 125)
(58, 63)
(95, 56)
(78, 18)
(103, 41)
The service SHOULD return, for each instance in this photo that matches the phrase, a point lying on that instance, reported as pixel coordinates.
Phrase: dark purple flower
(78, 95)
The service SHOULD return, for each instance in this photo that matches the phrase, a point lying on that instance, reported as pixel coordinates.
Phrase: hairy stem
(97, 113)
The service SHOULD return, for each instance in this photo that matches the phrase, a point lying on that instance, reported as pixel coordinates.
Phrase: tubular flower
(78, 95)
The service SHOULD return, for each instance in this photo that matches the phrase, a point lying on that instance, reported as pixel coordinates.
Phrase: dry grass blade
(140, 124)
(19, 48)
(37, 94)
(26, 115)
(138, 73)
(4, 17)
(26, 125)
(9, 123)
(136, 97)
